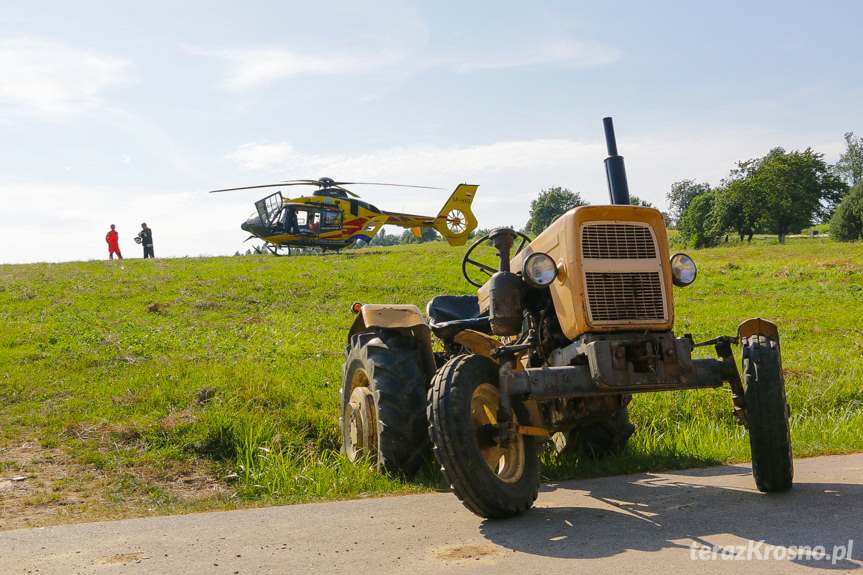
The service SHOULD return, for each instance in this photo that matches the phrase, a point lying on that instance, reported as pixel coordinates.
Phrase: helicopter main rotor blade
(327, 182)
(248, 188)
(304, 183)
(382, 184)
(320, 184)
(279, 185)
(324, 184)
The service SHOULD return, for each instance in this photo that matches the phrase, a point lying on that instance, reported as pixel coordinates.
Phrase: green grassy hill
(147, 387)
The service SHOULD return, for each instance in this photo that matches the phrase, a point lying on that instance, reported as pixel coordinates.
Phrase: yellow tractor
(566, 328)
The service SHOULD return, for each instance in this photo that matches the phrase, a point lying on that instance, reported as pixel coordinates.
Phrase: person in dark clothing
(146, 235)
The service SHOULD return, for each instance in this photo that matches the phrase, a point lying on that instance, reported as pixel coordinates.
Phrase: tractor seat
(449, 315)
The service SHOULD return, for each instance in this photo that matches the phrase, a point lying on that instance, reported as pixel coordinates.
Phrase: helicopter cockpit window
(269, 207)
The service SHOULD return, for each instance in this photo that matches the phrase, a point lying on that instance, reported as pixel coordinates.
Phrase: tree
(738, 208)
(698, 226)
(681, 195)
(549, 205)
(428, 235)
(846, 225)
(382, 238)
(636, 201)
(850, 164)
(794, 189)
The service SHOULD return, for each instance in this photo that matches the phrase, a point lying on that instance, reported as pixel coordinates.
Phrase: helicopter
(334, 217)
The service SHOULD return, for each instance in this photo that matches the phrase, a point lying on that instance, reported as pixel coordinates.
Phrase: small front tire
(493, 479)
(767, 414)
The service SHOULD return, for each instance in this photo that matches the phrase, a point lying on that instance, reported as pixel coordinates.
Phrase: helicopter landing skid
(278, 250)
(275, 249)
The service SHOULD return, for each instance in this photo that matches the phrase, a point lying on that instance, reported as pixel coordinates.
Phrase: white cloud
(280, 156)
(254, 67)
(275, 156)
(250, 68)
(53, 81)
(559, 52)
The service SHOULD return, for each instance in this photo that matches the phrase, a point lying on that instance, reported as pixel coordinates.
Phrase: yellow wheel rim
(507, 462)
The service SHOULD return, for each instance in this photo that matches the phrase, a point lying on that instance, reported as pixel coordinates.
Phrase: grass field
(150, 387)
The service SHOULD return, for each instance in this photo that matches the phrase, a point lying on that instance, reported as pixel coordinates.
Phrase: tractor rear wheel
(491, 477)
(383, 400)
(767, 413)
(605, 436)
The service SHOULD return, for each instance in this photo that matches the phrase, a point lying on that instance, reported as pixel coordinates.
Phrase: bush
(846, 225)
(698, 227)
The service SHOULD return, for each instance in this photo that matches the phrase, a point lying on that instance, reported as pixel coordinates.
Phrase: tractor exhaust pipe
(615, 173)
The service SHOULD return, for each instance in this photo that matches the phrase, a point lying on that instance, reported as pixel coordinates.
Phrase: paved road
(703, 520)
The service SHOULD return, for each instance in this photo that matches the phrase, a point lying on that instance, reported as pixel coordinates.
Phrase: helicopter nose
(254, 225)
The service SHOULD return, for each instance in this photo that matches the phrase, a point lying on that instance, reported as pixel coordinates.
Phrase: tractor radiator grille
(617, 242)
(625, 296)
(623, 278)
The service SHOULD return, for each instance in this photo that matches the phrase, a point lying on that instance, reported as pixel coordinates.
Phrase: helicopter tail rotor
(455, 221)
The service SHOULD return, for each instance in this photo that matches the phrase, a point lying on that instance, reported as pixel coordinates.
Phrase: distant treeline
(781, 193)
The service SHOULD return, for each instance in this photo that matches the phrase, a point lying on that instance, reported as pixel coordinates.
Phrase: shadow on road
(652, 513)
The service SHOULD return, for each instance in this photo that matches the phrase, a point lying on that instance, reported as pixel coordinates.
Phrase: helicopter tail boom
(455, 221)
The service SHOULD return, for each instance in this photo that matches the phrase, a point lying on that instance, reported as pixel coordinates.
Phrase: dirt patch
(35, 488)
(42, 486)
(123, 558)
(466, 552)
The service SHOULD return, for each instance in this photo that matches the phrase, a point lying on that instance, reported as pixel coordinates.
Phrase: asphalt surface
(697, 521)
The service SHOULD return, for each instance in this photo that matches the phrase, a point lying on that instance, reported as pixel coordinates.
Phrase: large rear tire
(767, 413)
(491, 479)
(605, 436)
(383, 401)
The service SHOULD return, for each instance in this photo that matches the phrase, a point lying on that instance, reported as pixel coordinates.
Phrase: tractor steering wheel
(487, 269)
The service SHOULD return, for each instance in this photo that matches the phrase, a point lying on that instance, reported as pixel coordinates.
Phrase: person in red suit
(113, 240)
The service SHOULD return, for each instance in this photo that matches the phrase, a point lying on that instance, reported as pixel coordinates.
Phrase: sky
(121, 112)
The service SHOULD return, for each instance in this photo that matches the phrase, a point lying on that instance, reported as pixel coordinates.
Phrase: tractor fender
(758, 326)
(387, 317)
(479, 343)
(482, 344)
(405, 318)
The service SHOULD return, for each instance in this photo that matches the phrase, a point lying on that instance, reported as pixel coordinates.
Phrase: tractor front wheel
(494, 477)
(767, 413)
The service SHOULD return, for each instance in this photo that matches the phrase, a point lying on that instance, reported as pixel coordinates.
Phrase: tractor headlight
(539, 270)
(683, 270)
